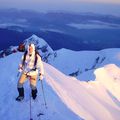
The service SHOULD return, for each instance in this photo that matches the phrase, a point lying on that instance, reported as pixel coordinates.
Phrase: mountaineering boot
(21, 94)
(34, 93)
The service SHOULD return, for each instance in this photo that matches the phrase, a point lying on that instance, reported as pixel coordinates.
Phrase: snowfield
(67, 97)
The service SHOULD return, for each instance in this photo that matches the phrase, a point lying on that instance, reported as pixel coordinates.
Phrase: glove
(41, 76)
(20, 69)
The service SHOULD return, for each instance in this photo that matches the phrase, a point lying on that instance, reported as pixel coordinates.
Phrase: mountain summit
(42, 46)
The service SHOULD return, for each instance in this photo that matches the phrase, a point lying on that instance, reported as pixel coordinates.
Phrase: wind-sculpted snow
(67, 97)
(89, 100)
(109, 77)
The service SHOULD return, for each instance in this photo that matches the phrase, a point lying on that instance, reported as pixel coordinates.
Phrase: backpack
(21, 47)
(35, 62)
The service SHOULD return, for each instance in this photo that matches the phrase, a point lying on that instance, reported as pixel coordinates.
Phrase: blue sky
(100, 6)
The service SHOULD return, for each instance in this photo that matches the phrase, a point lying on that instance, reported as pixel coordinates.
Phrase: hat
(32, 45)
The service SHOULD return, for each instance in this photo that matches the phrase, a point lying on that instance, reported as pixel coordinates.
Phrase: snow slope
(67, 98)
(82, 63)
(83, 98)
(12, 110)
(73, 63)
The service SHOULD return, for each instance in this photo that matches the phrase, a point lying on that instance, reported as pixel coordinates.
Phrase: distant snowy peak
(34, 38)
(41, 45)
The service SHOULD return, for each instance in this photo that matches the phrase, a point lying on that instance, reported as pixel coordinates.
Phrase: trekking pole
(18, 74)
(30, 107)
(43, 94)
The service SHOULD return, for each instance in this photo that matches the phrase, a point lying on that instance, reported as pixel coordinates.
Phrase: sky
(100, 6)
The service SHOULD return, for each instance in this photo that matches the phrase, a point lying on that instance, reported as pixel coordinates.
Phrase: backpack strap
(24, 57)
(36, 58)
